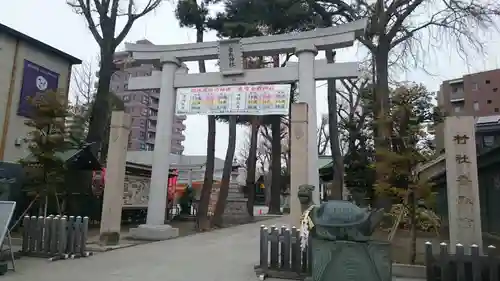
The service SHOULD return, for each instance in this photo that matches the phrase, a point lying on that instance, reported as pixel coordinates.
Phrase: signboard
(11, 176)
(234, 100)
(6, 211)
(230, 57)
(36, 79)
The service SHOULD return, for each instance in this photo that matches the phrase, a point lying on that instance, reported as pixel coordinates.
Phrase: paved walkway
(221, 255)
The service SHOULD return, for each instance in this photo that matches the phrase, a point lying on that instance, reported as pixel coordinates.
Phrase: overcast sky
(54, 23)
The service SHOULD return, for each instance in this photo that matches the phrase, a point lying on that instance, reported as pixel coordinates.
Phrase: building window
(488, 101)
(495, 90)
(488, 81)
(143, 146)
(145, 100)
(125, 86)
(142, 135)
(474, 87)
(488, 141)
(496, 109)
(144, 112)
(126, 98)
(476, 106)
(458, 109)
(142, 123)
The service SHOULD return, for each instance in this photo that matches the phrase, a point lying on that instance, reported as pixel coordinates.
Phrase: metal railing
(461, 266)
(55, 237)
(281, 255)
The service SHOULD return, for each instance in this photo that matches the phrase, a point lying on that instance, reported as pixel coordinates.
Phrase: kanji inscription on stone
(460, 139)
(462, 159)
(230, 57)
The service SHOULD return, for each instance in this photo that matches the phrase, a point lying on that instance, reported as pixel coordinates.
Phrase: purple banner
(36, 79)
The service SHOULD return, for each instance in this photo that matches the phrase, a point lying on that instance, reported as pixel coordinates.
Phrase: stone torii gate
(230, 53)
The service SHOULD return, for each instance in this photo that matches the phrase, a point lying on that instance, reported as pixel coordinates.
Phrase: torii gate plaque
(230, 53)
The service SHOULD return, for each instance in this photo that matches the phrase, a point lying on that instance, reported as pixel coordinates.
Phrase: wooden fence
(460, 266)
(55, 237)
(281, 255)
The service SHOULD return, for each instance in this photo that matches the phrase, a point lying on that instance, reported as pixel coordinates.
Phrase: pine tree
(411, 112)
(47, 144)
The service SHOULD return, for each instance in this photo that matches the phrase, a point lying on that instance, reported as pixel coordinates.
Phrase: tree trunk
(275, 202)
(338, 163)
(383, 126)
(99, 115)
(252, 165)
(226, 174)
(103, 156)
(382, 106)
(202, 221)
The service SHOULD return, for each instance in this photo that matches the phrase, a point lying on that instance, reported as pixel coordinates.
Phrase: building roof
(487, 120)
(176, 161)
(39, 44)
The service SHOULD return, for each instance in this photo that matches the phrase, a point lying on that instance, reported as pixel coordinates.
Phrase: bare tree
(83, 83)
(323, 136)
(102, 17)
(352, 111)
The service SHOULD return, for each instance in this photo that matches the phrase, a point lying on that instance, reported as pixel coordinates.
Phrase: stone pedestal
(462, 182)
(348, 260)
(115, 178)
(298, 158)
(236, 204)
(153, 232)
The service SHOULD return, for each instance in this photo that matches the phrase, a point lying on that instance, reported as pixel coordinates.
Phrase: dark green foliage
(190, 14)
(186, 201)
(259, 17)
(47, 144)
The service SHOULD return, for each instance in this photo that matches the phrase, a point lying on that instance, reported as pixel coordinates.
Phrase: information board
(6, 211)
(234, 100)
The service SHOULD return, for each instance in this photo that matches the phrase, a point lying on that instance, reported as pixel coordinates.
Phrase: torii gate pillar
(155, 227)
(307, 94)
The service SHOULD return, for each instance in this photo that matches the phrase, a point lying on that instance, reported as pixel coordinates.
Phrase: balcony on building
(177, 147)
(153, 117)
(152, 129)
(457, 94)
(181, 117)
(150, 140)
(180, 125)
(178, 136)
(153, 103)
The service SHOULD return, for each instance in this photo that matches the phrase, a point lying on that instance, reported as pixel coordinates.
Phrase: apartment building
(476, 94)
(143, 106)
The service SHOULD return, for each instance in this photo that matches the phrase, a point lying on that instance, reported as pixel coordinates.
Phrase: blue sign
(36, 79)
